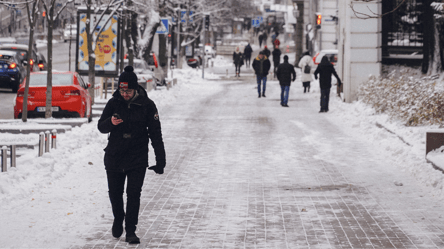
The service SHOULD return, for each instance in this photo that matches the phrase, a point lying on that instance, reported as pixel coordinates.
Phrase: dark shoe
(132, 238)
(286, 105)
(263, 95)
(322, 110)
(259, 95)
(117, 228)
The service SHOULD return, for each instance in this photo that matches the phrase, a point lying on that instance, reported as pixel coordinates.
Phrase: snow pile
(406, 96)
(437, 157)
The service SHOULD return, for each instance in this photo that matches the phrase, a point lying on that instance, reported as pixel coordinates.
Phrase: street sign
(256, 22)
(163, 28)
(182, 16)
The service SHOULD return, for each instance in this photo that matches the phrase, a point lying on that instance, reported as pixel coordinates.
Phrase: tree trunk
(91, 54)
(31, 22)
(48, 112)
(147, 49)
(428, 37)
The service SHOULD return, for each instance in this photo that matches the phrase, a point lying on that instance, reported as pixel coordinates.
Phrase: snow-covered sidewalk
(241, 172)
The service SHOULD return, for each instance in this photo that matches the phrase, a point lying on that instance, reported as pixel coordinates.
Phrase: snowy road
(242, 172)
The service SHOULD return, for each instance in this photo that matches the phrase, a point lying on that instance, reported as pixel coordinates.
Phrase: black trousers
(247, 60)
(238, 66)
(116, 183)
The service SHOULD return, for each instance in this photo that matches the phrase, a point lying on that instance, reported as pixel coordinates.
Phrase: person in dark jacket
(238, 60)
(276, 58)
(285, 74)
(261, 66)
(247, 54)
(325, 70)
(131, 119)
(266, 51)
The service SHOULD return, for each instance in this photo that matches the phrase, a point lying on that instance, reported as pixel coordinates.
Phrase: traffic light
(169, 38)
(318, 20)
(44, 13)
(207, 22)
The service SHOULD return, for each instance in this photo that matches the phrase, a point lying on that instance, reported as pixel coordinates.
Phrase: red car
(70, 96)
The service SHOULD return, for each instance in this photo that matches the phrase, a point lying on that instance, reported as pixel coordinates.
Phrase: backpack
(307, 69)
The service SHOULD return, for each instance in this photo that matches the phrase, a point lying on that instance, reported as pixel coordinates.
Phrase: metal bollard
(54, 139)
(4, 158)
(41, 143)
(12, 155)
(47, 138)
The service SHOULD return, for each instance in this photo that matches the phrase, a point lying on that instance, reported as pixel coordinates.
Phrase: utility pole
(179, 20)
(203, 52)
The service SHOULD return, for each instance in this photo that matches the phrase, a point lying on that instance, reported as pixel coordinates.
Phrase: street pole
(203, 52)
(179, 20)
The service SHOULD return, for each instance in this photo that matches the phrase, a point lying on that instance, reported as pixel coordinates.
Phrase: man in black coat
(261, 66)
(285, 74)
(131, 119)
(247, 54)
(276, 58)
(325, 70)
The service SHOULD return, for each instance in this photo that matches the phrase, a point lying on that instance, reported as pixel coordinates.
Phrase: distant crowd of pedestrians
(285, 72)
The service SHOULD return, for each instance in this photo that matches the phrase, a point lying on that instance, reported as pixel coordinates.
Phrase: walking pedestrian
(247, 54)
(238, 60)
(261, 37)
(131, 119)
(276, 41)
(276, 58)
(264, 38)
(325, 70)
(306, 64)
(267, 52)
(285, 74)
(261, 66)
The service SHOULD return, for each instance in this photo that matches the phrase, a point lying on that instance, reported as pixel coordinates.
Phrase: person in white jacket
(306, 60)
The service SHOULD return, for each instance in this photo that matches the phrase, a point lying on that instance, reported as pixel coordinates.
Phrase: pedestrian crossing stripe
(163, 28)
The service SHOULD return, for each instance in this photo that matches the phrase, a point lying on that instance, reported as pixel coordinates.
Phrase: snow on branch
(362, 15)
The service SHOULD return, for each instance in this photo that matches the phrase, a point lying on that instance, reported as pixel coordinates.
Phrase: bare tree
(32, 19)
(51, 16)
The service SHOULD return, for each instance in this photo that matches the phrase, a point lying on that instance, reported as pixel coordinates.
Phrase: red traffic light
(318, 19)
(44, 13)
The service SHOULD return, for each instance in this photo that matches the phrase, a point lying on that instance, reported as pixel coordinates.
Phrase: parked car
(153, 65)
(70, 96)
(332, 55)
(70, 32)
(144, 74)
(12, 70)
(210, 51)
(41, 62)
(22, 51)
(143, 70)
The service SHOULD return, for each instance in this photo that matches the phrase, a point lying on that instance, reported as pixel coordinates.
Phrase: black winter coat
(267, 52)
(247, 51)
(276, 55)
(128, 142)
(238, 59)
(325, 70)
(266, 65)
(285, 74)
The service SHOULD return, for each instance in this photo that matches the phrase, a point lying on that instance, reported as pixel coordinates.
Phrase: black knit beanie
(128, 79)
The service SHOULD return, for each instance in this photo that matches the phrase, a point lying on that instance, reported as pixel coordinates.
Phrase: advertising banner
(107, 47)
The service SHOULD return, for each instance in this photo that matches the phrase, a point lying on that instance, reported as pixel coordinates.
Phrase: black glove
(157, 169)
